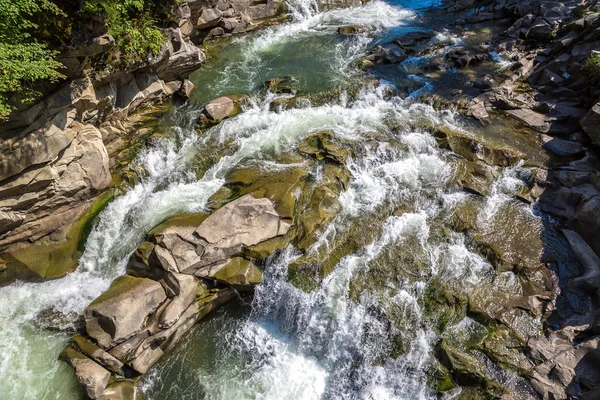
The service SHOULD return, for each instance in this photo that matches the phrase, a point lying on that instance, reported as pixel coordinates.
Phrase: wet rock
(92, 376)
(351, 30)
(323, 147)
(473, 150)
(279, 186)
(121, 311)
(391, 54)
(285, 84)
(59, 321)
(223, 107)
(531, 118)
(462, 57)
(465, 368)
(121, 390)
(410, 40)
(239, 273)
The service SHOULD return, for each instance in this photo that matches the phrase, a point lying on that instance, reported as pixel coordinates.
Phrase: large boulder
(121, 311)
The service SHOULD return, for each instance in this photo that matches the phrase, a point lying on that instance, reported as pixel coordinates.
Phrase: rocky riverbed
(389, 200)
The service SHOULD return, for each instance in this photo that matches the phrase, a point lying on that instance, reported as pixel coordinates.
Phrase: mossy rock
(506, 349)
(264, 249)
(51, 258)
(322, 209)
(281, 186)
(322, 146)
(444, 305)
(467, 370)
(305, 275)
(240, 273)
(474, 177)
(282, 85)
(512, 240)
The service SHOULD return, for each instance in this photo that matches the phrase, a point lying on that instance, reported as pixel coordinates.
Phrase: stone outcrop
(185, 270)
(53, 156)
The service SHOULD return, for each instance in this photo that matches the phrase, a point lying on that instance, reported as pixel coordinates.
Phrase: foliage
(32, 30)
(132, 24)
(23, 59)
(592, 69)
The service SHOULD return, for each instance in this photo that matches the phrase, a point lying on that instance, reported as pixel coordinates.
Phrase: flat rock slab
(562, 147)
(244, 222)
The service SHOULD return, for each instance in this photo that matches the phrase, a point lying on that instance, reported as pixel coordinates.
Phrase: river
(330, 343)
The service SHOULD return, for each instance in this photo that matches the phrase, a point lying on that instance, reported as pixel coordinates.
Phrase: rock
(91, 375)
(121, 311)
(36, 147)
(223, 107)
(98, 355)
(586, 222)
(589, 281)
(94, 47)
(121, 390)
(476, 109)
(562, 147)
(229, 24)
(351, 30)
(186, 88)
(591, 124)
(392, 54)
(210, 17)
(187, 289)
(322, 146)
(244, 222)
(531, 118)
(239, 273)
(284, 84)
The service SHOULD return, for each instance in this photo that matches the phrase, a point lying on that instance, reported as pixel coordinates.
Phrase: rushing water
(291, 344)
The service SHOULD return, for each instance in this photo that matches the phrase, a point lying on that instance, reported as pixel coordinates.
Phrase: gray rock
(244, 222)
(121, 311)
(188, 288)
(100, 356)
(586, 222)
(589, 281)
(562, 147)
(91, 375)
(210, 17)
(591, 124)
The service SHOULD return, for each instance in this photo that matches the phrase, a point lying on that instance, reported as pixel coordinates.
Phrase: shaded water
(288, 344)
